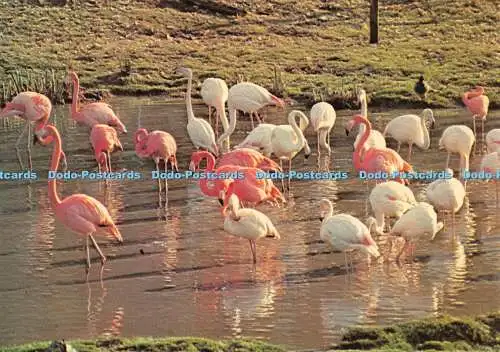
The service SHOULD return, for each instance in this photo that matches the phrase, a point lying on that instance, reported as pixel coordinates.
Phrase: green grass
(436, 334)
(320, 48)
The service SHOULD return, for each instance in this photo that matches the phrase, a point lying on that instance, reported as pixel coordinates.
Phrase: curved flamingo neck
(54, 164)
(189, 104)
(75, 103)
(357, 152)
(210, 191)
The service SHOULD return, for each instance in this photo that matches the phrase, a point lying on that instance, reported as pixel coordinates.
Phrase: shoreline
(479, 333)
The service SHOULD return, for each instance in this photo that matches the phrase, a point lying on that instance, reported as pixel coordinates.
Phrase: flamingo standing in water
(477, 103)
(104, 140)
(376, 159)
(288, 140)
(418, 221)
(200, 132)
(375, 138)
(32, 107)
(323, 118)
(248, 223)
(249, 158)
(250, 187)
(447, 195)
(491, 164)
(493, 140)
(344, 232)
(92, 113)
(391, 199)
(458, 139)
(411, 129)
(158, 145)
(79, 212)
(250, 98)
(214, 93)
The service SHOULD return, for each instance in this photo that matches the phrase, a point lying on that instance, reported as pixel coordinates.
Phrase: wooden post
(373, 21)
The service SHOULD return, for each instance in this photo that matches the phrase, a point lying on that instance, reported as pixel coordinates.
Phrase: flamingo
(288, 140)
(376, 159)
(458, 139)
(390, 199)
(411, 129)
(79, 212)
(248, 223)
(345, 232)
(477, 103)
(200, 132)
(375, 138)
(157, 145)
(491, 163)
(104, 140)
(250, 188)
(214, 93)
(250, 98)
(323, 118)
(493, 140)
(446, 195)
(32, 107)
(248, 157)
(417, 221)
(92, 113)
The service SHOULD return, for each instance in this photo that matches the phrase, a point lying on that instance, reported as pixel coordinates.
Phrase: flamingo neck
(427, 140)
(75, 101)
(54, 164)
(364, 107)
(356, 158)
(296, 129)
(232, 125)
(210, 191)
(189, 104)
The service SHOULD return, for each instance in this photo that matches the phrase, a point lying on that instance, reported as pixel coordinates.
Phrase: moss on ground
(441, 334)
(320, 48)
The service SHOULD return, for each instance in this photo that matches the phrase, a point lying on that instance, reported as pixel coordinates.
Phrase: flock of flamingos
(389, 198)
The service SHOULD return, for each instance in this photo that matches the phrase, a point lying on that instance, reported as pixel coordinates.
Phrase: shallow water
(194, 279)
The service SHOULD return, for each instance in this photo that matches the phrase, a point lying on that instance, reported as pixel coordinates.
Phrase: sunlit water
(194, 279)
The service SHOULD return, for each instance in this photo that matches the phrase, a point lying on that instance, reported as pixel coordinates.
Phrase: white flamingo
(416, 222)
(214, 93)
(248, 223)
(288, 140)
(323, 118)
(259, 139)
(491, 164)
(391, 199)
(345, 233)
(493, 140)
(458, 139)
(446, 195)
(250, 98)
(375, 139)
(200, 132)
(411, 129)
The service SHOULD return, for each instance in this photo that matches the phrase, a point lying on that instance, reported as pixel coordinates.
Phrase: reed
(48, 82)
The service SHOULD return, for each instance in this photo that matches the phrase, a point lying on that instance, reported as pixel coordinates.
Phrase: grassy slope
(320, 47)
(446, 333)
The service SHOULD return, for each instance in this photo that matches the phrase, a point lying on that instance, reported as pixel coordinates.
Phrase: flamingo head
(361, 95)
(325, 208)
(140, 135)
(278, 102)
(449, 172)
(226, 192)
(43, 136)
(195, 161)
(12, 109)
(356, 120)
(187, 72)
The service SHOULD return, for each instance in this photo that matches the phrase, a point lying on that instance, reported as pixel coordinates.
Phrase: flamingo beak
(221, 201)
(346, 132)
(35, 139)
(433, 124)
(321, 218)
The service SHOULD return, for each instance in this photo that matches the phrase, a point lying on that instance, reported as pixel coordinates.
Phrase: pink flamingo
(157, 145)
(91, 113)
(79, 212)
(477, 103)
(104, 140)
(32, 107)
(376, 159)
(249, 158)
(250, 188)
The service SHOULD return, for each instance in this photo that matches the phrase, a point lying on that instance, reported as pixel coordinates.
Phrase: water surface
(194, 279)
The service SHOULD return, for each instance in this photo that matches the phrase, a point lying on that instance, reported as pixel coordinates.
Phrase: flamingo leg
(405, 247)
(289, 173)
(453, 222)
(399, 147)
(87, 267)
(409, 152)
(345, 259)
(210, 115)
(217, 118)
(447, 160)
(319, 153)
(103, 258)
(158, 170)
(166, 184)
(109, 161)
(282, 178)
(251, 117)
(18, 142)
(482, 133)
(29, 147)
(328, 142)
(389, 248)
(253, 249)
